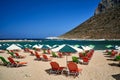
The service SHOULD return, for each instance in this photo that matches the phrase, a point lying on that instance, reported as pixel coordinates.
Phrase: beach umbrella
(77, 45)
(110, 47)
(117, 47)
(0, 46)
(35, 46)
(86, 47)
(91, 46)
(67, 49)
(77, 49)
(55, 46)
(45, 47)
(3, 46)
(40, 45)
(13, 47)
(64, 49)
(27, 46)
(49, 46)
(56, 49)
(19, 45)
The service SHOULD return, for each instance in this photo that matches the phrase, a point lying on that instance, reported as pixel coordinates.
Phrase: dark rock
(104, 5)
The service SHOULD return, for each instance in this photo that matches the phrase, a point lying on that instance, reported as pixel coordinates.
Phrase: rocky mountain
(105, 24)
(104, 5)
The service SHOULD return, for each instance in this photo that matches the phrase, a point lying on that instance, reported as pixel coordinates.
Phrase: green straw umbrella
(67, 49)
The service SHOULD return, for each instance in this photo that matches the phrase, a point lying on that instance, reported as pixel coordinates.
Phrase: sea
(95, 44)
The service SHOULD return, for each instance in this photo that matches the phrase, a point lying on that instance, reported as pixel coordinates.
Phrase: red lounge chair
(46, 58)
(85, 60)
(92, 51)
(32, 53)
(114, 53)
(37, 56)
(89, 55)
(19, 56)
(106, 51)
(81, 55)
(16, 63)
(73, 69)
(55, 67)
(26, 50)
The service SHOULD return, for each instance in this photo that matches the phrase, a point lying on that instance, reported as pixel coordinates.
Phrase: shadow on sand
(110, 59)
(10, 66)
(107, 56)
(114, 64)
(64, 73)
(48, 72)
(116, 76)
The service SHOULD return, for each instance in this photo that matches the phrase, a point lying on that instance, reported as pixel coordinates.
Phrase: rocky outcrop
(105, 24)
(104, 5)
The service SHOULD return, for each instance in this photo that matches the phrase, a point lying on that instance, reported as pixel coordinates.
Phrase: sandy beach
(100, 67)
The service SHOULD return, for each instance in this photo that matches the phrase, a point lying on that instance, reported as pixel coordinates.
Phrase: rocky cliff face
(105, 24)
(104, 5)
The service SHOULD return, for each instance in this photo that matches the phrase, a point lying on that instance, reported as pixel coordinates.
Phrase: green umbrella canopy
(67, 48)
(77, 45)
(91, 46)
(108, 46)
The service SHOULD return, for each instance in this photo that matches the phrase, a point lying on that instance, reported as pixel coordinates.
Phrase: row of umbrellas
(61, 48)
(55, 48)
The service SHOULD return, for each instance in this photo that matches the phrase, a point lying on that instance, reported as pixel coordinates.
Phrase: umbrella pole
(66, 60)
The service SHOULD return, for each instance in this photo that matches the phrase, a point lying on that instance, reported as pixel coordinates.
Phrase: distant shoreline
(57, 38)
(31, 40)
(16, 40)
(90, 39)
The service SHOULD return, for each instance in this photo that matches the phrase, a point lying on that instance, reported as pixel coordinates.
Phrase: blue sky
(42, 18)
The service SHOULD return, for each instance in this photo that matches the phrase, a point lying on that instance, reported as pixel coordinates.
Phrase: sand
(99, 68)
